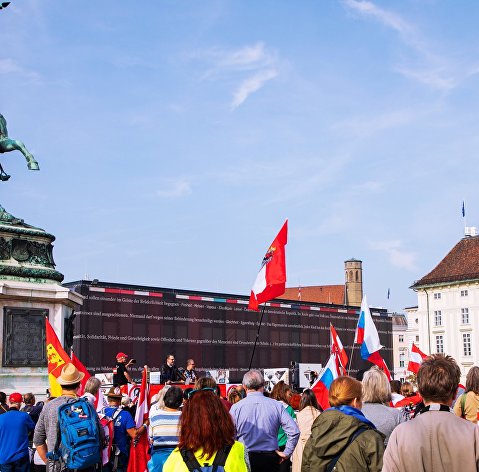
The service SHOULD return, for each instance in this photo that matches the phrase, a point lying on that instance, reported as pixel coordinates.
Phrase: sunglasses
(206, 389)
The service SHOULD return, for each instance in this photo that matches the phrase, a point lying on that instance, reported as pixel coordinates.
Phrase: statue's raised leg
(13, 144)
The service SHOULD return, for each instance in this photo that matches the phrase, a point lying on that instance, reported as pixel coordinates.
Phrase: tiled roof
(461, 263)
(317, 293)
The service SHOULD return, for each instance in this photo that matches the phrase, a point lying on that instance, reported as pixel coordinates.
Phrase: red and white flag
(271, 279)
(78, 364)
(416, 357)
(338, 349)
(139, 451)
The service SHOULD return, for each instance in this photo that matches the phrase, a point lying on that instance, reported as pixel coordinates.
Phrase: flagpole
(257, 337)
(351, 358)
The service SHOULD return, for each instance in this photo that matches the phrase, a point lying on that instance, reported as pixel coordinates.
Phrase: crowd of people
(371, 425)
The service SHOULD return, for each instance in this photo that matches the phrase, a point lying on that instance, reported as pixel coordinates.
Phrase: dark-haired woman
(206, 431)
(342, 439)
(309, 410)
(282, 393)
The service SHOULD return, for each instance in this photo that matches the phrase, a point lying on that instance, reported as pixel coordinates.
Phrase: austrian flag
(271, 279)
(416, 356)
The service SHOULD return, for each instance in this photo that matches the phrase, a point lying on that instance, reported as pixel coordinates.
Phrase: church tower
(353, 271)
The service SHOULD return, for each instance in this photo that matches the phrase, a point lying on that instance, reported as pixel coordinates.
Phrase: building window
(466, 343)
(401, 359)
(417, 339)
(464, 293)
(401, 338)
(465, 315)
(437, 296)
(437, 318)
(440, 344)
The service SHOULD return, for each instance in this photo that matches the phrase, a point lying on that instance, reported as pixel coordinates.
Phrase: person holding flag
(367, 336)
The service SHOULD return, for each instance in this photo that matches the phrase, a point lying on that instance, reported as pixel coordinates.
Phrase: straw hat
(70, 375)
(115, 393)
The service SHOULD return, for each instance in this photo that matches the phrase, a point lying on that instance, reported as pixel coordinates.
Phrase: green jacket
(329, 436)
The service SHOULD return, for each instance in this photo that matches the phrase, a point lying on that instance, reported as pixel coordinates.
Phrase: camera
(132, 361)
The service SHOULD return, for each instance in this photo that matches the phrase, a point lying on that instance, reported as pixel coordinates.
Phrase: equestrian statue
(7, 144)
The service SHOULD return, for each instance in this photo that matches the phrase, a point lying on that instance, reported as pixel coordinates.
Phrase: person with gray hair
(376, 398)
(257, 420)
(92, 387)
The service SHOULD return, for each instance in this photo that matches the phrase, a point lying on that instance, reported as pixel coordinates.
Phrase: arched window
(357, 276)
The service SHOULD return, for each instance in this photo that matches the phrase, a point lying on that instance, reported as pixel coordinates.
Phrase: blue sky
(174, 138)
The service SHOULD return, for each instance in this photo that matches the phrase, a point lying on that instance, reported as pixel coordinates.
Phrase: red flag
(139, 452)
(376, 358)
(416, 357)
(57, 358)
(338, 349)
(271, 279)
(77, 363)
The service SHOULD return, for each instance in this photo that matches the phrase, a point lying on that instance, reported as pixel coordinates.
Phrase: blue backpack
(78, 442)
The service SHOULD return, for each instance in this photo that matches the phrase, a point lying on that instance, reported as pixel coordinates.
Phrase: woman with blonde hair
(467, 405)
(376, 398)
(342, 438)
(309, 410)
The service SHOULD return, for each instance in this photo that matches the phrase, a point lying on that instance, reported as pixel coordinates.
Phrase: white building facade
(447, 316)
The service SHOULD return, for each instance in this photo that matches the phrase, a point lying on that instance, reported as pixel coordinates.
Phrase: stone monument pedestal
(30, 290)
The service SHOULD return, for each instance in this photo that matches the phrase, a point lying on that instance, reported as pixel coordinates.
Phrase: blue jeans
(21, 465)
(158, 458)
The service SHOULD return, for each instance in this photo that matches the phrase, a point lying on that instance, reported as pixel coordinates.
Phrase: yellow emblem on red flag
(57, 358)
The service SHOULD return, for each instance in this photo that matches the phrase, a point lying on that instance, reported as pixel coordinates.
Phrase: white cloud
(175, 188)
(398, 256)
(251, 85)
(430, 69)
(364, 126)
(9, 66)
(246, 57)
(387, 18)
(256, 61)
(432, 78)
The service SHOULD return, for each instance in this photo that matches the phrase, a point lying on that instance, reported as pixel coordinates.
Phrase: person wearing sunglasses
(207, 436)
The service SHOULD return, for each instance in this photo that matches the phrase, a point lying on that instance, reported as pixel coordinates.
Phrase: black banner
(216, 330)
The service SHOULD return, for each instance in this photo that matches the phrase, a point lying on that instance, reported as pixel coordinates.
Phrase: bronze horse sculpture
(7, 144)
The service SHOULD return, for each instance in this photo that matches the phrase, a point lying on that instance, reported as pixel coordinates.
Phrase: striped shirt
(164, 427)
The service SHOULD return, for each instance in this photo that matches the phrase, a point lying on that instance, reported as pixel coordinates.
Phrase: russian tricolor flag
(367, 336)
(321, 386)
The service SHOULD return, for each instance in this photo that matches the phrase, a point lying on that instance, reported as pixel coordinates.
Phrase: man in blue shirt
(14, 428)
(257, 420)
(124, 428)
